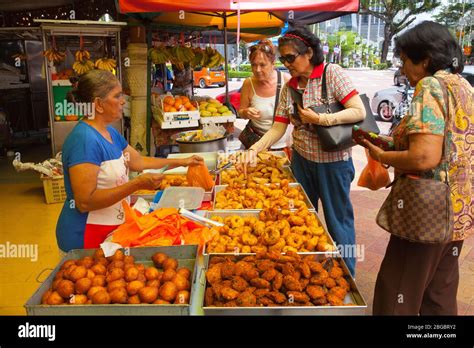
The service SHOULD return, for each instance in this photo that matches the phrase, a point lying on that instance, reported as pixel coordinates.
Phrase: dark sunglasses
(290, 58)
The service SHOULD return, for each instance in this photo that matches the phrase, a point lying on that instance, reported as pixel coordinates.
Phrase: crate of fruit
(212, 110)
(175, 108)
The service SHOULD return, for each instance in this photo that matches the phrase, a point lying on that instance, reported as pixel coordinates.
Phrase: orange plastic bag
(374, 176)
(198, 176)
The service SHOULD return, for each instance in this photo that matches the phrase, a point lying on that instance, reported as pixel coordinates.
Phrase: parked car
(399, 79)
(234, 98)
(205, 77)
(386, 102)
(468, 74)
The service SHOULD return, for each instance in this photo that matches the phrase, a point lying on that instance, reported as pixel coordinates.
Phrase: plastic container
(54, 190)
(189, 198)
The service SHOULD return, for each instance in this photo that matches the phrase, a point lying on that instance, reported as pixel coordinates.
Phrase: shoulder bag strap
(324, 91)
(446, 126)
(277, 96)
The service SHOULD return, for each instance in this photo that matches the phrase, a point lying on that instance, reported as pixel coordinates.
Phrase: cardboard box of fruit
(212, 110)
(177, 108)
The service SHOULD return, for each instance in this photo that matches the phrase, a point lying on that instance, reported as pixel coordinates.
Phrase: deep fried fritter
(269, 274)
(304, 283)
(250, 274)
(229, 293)
(343, 283)
(336, 272)
(338, 291)
(319, 278)
(277, 297)
(246, 299)
(232, 303)
(261, 292)
(315, 266)
(265, 265)
(330, 283)
(291, 283)
(260, 283)
(297, 296)
(227, 270)
(305, 270)
(213, 275)
(241, 267)
(239, 284)
(277, 282)
(217, 259)
(288, 269)
(315, 291)
(249, 259)
(265, 301)
(320, 301)
(209, 297)
(335, 300)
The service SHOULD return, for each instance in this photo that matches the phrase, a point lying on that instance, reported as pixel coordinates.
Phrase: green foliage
(239, 74)
(381, 66)
(451, 15)
(245, 67)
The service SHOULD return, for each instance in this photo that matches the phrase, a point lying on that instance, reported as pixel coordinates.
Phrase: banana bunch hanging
(106, 63)
(159, 55)
(83, 63)
(212, 57)
(53, 55)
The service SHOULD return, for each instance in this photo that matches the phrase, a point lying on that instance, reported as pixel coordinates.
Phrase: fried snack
(297, 296)
(229, 293)
(213, 275)
(246, 299)
(260, 283)
(315, 291)
(239, 283)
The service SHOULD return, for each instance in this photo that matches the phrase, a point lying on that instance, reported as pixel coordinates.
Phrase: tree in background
(452, 16)
(397, 15)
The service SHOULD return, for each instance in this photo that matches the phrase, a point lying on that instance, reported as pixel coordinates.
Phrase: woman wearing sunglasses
(259, 94)
(325, 176)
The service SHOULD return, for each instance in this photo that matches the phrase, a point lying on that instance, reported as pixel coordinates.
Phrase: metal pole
(225, 58)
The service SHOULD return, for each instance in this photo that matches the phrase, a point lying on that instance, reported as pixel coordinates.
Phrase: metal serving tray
(286, 170)
(247, 213)
(354, 297)
(221, 157)
(185, 254)
(219, 188)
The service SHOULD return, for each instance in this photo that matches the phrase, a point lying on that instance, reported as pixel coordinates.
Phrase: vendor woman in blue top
(96, 160)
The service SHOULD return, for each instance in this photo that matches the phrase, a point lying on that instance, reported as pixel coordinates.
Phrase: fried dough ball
(131, 274)
(229, 293)
(141, 277)
(338, 291)
(158, 259)
(246, 299)
(181, 282)
(79, 299)
(315, 291)
(87, 262)
(209, 297)
(213, 275)
(260, 283)
(116, 264)
(135, 299)
(294, 240)
(170, 263)
(241, 267)
(155, 282)
(65, 288)
(99, 253)
(115, 274)
(90, 274)
(182, 297)
(54, 299)
(148, 294)
(291, 283)
(161, 302)
(99, 269)
(277, 282)
(168, 291)
(59, 275)
(330, 283)
(134, 286)
(102, 261)
(270, 235)
(55, 284)
(168, 275)
(277, 297)
(151, 273)
(249, 239)
(119, 283)
(239, 284)
(297, 296)
(258, 249)
(118, 295)
(99, 280)
(101, 297)
(269, 274)
(319, 278)
(44, 298)
(83, 285)
(186, 273)
(77, 273)
(129, 259)
(93, 290)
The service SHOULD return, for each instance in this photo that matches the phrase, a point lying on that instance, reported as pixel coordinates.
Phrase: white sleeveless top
(266, 106)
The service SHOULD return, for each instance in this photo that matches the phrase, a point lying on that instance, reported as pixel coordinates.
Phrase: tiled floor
(26, 219)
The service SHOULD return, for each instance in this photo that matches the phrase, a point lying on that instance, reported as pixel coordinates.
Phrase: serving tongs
(218, 170)
(198, 218)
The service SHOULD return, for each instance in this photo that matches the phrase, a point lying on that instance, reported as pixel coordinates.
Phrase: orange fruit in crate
(173, 109)
(185, 100)
(167, 108)
(192, 108)
(188, 105)
(178, 103)
(168, 100)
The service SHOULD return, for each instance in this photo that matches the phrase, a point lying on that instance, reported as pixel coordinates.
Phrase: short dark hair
(434, 41)
(93, 84)
(308, 39)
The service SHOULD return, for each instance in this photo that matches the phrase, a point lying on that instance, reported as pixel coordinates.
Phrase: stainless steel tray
(219, 188)
(354, 297)
(286, 170)
(185, 254)
(208, 196)
(222, 156)
(247, 213)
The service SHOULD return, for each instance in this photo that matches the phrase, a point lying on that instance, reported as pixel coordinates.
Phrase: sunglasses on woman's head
(290, 58)
(262, 47)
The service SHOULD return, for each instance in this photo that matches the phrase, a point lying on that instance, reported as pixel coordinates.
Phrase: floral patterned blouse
(426, 116)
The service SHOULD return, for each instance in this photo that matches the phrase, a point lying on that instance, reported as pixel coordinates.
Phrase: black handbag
(337, 137)
(249, 135)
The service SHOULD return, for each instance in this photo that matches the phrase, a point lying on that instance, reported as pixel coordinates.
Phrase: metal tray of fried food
(186, 255)
(286, 170)
(219, 188)
(355, 303)
(255, 213)
(223, 158)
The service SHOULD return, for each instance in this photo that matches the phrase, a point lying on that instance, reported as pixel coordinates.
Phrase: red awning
(136, 6)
